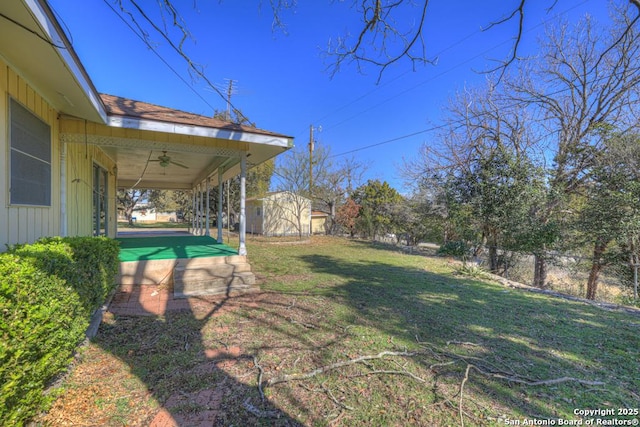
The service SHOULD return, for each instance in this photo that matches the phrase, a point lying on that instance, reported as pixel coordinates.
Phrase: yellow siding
(80, 160)
(286, 214)
(4, 162)
(24, 224)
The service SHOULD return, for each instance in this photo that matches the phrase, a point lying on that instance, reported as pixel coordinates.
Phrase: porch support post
(242, 250)
(193, 206)
(207, 231)
(200, 209)
(220, 195)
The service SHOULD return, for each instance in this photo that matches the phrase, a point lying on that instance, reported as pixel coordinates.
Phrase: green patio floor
(171, 247)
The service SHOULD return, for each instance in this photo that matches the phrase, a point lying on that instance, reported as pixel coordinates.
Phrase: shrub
(48, 292)
(454, 248)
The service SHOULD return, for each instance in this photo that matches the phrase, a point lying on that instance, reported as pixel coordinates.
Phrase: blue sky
(281, 82)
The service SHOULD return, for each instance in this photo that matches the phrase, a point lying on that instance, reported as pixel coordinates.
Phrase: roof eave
(201, 131)
(77, 97)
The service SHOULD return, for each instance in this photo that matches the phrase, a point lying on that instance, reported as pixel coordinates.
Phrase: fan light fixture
(165, 161)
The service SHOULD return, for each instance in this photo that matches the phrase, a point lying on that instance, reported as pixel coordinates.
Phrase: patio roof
(137, 134)
(132, 133)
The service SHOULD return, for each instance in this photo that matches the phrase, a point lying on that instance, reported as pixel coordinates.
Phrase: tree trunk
(493, 258)
(332, 214)
(596, 268)
(540, 272)
(128, 214)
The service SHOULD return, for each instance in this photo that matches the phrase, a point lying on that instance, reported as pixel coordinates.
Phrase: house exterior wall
(286, 214)
(254, 221)
(79, 172)
(24, 223)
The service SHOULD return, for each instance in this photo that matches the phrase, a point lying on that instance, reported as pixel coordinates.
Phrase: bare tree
(335, 182)
(287, 213)
(483, 163)
(586, 79)
(384, 35)
(332, 181)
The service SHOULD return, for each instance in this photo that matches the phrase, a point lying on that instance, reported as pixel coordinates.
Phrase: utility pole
(310, 159)
(229, 93)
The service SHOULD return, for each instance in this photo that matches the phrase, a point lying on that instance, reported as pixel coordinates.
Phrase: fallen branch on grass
(514, 380)
(426, 350)
(389, 372)
(297, 377)
(332, 397)
(260, 372)
(517, 380)
(260, 413)
(362, 359)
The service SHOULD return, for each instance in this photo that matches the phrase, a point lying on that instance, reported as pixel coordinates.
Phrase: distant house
(149, 215)
(65, 148)
(280, 213)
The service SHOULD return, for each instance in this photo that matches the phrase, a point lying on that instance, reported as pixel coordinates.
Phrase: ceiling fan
(165, 161)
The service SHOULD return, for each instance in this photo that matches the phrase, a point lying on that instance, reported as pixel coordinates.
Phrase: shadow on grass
(508, 332)
(189, 364)
(325, 304)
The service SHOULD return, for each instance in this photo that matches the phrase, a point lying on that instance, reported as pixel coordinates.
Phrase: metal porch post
(200, 209)
(193, 214)
(207, 231)
(242, 250)
(220, 195)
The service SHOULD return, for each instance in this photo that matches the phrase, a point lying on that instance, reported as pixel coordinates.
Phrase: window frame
(16, 196)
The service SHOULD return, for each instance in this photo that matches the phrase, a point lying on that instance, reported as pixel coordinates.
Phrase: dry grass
(570, 277)
(332, 301)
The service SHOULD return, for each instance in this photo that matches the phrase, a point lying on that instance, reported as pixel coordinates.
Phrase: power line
(451, 46)
(461, 121)
(165, 62)
(35, 33)
(387, 141)
(559, 91)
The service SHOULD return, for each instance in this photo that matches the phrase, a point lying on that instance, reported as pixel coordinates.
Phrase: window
(258, 211)
(30, 157)
(100, 179)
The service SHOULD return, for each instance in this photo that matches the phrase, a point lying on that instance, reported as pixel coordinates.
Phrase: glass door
(100, 207)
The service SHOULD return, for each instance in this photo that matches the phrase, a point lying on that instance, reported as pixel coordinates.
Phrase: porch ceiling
(136, 167)
(137, 135)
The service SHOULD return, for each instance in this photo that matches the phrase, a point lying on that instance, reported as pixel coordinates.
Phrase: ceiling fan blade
(178, 164)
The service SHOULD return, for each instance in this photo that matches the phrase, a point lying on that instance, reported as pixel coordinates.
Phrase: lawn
(358, 334)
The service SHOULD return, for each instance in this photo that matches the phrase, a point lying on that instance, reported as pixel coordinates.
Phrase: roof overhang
(202, 149)
(132, 133)
(33, 43)
(200, 131)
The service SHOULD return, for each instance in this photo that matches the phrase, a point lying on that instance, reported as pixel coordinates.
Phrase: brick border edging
(98, 314)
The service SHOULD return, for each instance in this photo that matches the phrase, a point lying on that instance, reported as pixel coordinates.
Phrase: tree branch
(334, 366)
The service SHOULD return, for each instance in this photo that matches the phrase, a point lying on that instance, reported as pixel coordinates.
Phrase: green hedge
(48, 292)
